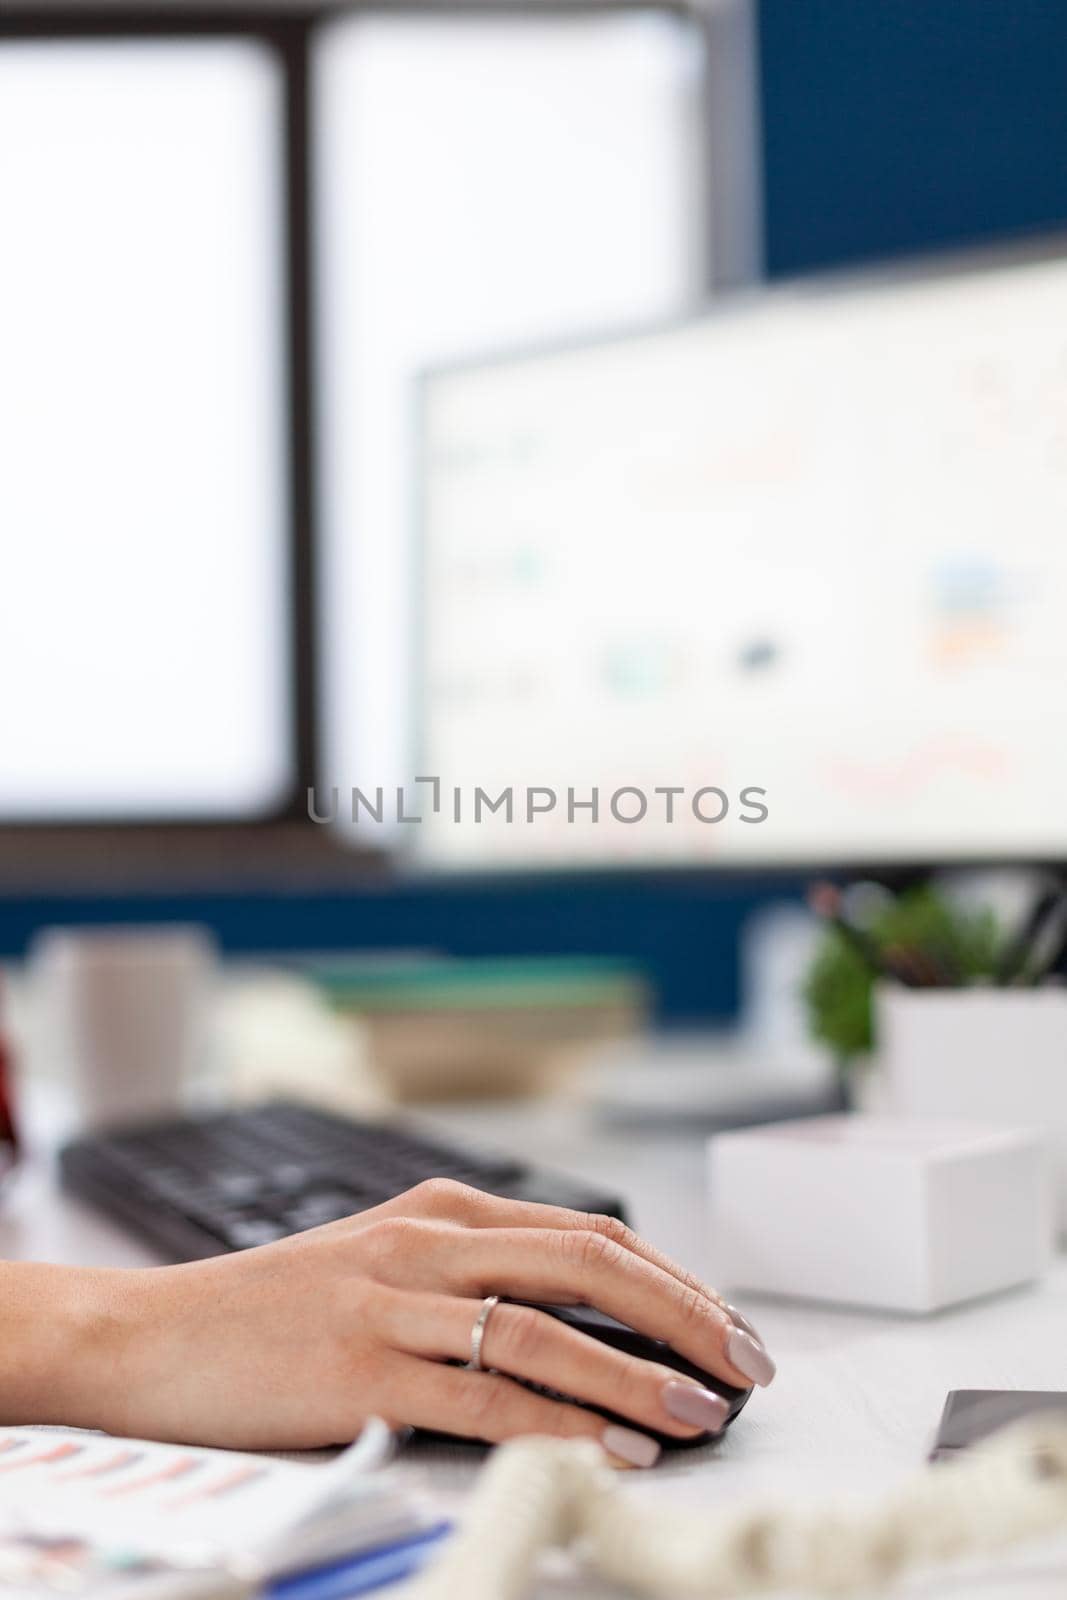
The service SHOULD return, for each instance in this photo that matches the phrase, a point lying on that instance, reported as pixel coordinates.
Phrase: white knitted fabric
(537, 1493)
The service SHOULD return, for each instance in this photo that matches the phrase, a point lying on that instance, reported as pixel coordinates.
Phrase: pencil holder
(991, 1055)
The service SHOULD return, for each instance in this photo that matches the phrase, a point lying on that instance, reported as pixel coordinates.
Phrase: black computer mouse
(598, 1326)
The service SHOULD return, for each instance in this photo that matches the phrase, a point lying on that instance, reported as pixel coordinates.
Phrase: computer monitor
(811, 545)
(144, 475)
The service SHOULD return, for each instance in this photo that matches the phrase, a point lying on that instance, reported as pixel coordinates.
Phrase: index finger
(495, 1211)
(444, 1198)
(478, 1209)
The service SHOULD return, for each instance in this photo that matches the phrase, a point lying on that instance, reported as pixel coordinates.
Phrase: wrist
(66, 1336)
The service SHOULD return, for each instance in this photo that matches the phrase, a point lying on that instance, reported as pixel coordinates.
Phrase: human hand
(295, 1344)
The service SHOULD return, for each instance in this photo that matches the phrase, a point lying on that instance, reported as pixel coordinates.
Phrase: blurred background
(529, 398)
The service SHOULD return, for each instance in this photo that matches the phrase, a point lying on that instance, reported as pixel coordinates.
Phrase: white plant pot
(989, 1055)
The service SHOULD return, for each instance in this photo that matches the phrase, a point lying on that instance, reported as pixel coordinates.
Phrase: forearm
(63, 1334)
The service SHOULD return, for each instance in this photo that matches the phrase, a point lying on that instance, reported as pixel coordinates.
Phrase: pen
(1050, 962)
(362, 1573)
(1017, 952)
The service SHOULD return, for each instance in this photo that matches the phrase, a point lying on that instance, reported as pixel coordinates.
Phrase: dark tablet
(973, 1414)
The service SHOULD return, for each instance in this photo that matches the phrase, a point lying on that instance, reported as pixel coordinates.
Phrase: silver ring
(478, 1333)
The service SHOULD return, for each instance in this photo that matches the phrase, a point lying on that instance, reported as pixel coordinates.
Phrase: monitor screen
(801, 561)
(143, 470)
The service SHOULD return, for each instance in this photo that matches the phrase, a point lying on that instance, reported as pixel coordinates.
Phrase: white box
(897, 1213)
(991, 1055)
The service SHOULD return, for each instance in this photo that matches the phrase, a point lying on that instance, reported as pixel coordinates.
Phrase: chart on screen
(812, 543)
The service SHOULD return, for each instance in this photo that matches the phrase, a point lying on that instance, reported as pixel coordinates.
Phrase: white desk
(856, 1398)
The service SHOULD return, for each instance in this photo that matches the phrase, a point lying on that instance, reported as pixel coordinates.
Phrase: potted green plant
(920, 933)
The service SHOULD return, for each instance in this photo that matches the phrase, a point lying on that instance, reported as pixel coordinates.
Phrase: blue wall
(682, 930)
(894, 125)
(890, 126)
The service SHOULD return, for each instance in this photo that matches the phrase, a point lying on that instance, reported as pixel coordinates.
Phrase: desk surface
(857, 1395)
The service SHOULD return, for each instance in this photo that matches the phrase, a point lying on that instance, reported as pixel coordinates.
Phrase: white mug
(123, 1014)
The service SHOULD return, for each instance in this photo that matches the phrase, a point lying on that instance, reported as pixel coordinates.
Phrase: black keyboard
(206, 1185)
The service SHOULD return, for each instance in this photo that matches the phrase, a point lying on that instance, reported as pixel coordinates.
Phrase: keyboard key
(315, 1209)
(238, 1185)
(244, 1233)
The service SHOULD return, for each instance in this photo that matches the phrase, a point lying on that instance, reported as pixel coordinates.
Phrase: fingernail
(636, 1448)
(749, 1357)
(699, 1407)
(739, 1320)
